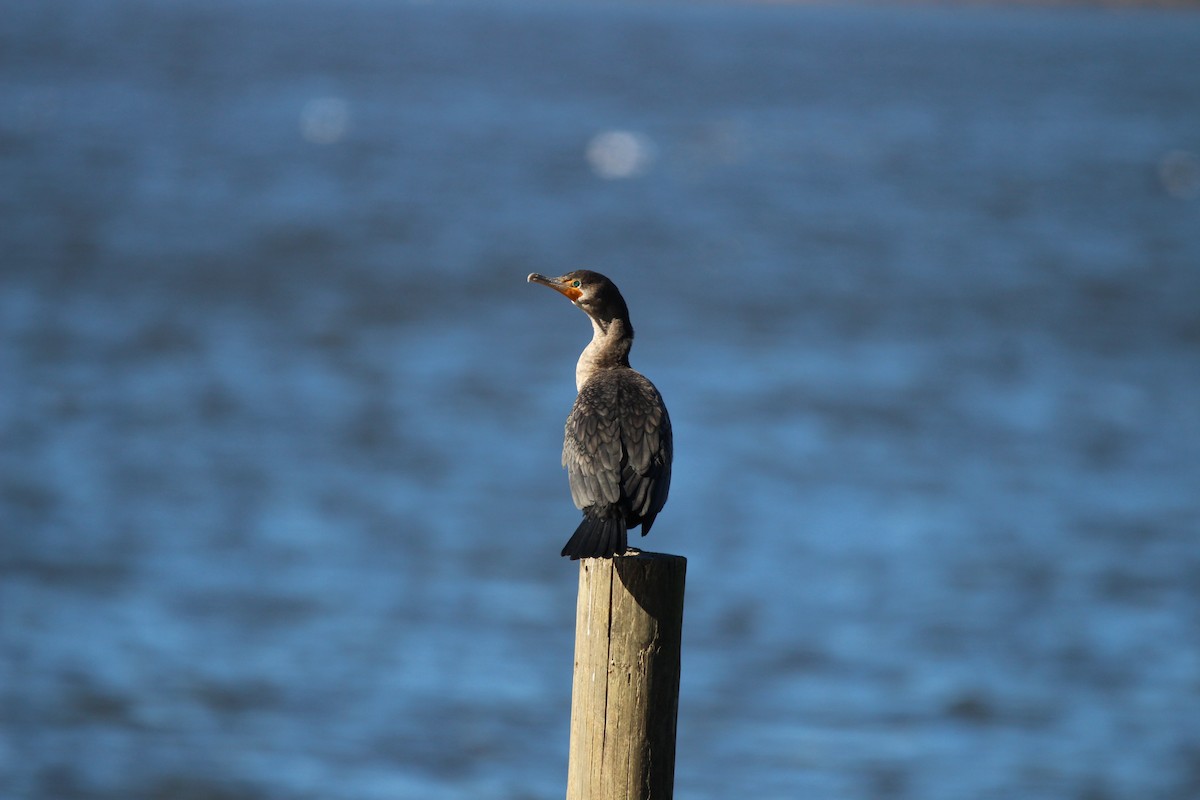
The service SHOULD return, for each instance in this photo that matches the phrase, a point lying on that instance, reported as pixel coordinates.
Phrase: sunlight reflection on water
(619, 154)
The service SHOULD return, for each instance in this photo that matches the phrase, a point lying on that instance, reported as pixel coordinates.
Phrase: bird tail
(597, 538)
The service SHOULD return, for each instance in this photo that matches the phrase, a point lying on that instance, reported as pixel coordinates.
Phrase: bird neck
(609, 349)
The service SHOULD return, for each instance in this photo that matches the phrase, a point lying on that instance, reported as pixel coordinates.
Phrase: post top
(633, 554)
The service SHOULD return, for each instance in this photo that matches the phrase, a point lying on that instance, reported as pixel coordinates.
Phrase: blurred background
(280, 419)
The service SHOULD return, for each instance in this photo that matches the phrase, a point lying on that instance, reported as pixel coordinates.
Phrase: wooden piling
(625, 693)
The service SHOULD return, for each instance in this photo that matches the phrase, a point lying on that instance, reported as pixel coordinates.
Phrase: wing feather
(617, 447)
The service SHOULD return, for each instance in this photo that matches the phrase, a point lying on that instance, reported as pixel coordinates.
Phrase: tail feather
(597, 538)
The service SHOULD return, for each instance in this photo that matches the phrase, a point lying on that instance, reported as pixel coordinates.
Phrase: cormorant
(617, 446)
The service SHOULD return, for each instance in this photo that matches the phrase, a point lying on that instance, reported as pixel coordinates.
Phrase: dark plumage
(617, 447)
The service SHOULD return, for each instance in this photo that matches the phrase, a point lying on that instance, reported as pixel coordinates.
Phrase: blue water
(280, 495)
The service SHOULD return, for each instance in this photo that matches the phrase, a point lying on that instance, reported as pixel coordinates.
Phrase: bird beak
(560, 285)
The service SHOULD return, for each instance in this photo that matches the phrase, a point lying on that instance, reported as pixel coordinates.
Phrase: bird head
(595, 294)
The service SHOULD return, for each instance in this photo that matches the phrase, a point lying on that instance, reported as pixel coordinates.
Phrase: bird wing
(592, 450)
(648, 441)
(618, 443)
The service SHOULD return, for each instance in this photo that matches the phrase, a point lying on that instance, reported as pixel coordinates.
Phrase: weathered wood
(625, 694)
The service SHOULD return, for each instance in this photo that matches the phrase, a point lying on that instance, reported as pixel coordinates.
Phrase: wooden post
(625, 694)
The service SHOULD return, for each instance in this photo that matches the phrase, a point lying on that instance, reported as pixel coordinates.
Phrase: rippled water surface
(280, 420)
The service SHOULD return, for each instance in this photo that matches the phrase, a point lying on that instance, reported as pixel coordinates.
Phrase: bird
(617, 442)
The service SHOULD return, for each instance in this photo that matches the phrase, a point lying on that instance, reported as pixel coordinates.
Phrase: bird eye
(575, 284)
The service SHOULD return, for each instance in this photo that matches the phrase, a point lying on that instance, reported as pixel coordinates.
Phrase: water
(279, 486)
